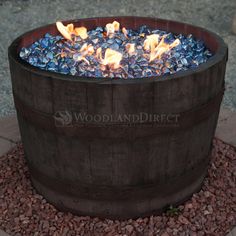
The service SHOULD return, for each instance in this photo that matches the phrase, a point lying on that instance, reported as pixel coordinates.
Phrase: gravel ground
(212, 211)
(17, 16)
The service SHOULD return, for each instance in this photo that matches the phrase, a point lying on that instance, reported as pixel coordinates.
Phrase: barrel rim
(220, 54)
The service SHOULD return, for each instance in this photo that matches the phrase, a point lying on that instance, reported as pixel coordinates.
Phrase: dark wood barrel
(118, 168)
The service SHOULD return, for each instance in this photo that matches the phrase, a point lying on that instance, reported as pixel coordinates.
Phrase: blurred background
(19, 16)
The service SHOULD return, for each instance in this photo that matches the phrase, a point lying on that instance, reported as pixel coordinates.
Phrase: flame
(81, 31)
(154, 45)
(99, 53)
(151, 42)
(157, 49)
(125, 32)
(83, 52)
(64, 30)
(112, 27)
(111, 58)
(130, 48)
(87, 49)
(69, 30)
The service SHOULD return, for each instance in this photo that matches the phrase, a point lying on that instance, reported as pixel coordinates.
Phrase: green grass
(172, 211)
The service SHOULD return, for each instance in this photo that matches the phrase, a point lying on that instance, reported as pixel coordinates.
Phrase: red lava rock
(211, 211)
(129, 228)
(183, 220)
(165, 234)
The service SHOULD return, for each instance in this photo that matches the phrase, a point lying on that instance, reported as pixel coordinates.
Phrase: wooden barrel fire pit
(118, 169)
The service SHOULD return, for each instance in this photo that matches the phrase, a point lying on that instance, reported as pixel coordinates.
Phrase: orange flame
(151, 42)
(154, 46)
(112, 27)
(84, 51)
(112, 58)
(125, 32)
(68, 30)
(87, 49)
(157, 49)
(81, 31)
(130, 48)
(99, 53)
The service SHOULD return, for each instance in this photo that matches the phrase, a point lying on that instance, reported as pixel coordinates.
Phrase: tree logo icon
(63, 118)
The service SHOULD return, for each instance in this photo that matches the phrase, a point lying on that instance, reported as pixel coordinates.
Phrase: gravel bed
(212, 211)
